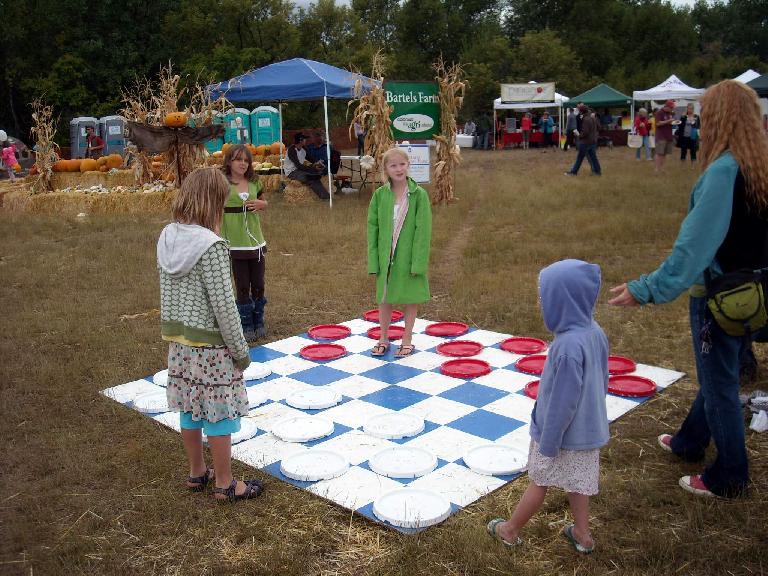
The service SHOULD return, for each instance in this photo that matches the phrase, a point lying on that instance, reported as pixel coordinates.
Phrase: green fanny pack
(737, 301)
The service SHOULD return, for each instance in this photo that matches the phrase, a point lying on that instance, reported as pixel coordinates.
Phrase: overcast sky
(305, 3)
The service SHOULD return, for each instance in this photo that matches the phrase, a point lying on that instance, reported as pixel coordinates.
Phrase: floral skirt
(205, 382)
(572, 470)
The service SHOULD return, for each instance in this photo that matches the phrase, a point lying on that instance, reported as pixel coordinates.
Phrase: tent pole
(280, 113)
(493, 129)
(328, 152)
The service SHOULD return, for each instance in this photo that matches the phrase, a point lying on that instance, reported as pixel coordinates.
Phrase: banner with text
(544, 92)
(418, 157)
(415, 109)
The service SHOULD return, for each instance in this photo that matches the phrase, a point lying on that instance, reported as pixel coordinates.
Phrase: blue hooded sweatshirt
(570, 411)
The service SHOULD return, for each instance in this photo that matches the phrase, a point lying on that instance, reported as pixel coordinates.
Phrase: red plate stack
(373, 316)
(532, 389)
(322, 352)
(329, 332)
(459, 348)
(631, 386)
(620, 365)
(394, 332)
(533, 364)
(523, 345)
(447, 329)
(465, 368)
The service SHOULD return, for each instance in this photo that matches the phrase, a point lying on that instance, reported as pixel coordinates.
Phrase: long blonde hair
(201, 198)
(731, 120)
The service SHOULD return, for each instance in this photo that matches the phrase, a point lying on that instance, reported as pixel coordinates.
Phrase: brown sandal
(380, 349)
(405, 350)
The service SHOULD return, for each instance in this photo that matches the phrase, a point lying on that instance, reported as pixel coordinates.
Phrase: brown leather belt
(233, 209)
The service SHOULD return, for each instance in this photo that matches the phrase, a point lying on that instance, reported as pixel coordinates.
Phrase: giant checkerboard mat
(459, 414)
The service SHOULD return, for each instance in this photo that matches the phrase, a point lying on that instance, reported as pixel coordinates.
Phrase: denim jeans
(590, 151)
(646, 146)
(716, 412)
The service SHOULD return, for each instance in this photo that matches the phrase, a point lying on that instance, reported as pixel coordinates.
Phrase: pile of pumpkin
(261, 151)
(103, 164)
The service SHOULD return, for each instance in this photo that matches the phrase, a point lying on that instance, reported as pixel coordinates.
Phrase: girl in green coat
(399, 237)
(241, 227)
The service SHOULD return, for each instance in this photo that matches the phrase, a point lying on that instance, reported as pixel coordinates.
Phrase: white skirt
(572, 470)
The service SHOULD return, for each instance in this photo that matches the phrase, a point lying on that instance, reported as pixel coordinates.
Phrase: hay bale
(87, 179)
(270, 183)
(73, 203)
(298, 193)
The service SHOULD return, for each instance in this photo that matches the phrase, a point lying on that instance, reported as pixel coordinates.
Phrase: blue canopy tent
(293, 80)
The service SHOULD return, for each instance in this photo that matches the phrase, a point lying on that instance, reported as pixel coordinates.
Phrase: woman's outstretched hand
(622, 296)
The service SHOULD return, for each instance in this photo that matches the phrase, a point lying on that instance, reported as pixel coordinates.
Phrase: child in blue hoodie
(569, 422)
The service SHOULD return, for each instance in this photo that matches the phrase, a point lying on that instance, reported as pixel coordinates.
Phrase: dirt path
(444, 272)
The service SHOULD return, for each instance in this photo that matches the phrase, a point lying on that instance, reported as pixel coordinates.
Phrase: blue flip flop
(568, 533)
(491, 528)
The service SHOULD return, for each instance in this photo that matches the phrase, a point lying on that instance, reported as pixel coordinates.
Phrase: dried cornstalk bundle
(451, 85)
(140, 163)
(43, 132)
(373, 113)
(201, 107)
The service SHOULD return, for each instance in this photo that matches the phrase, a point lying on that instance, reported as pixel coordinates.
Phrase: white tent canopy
(499, 105)
(672, 88)
(747, 76)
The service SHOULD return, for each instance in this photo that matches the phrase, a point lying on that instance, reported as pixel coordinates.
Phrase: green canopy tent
(601, 95)
(760, 85)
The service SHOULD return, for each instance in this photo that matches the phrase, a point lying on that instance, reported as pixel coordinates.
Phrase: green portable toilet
(215, 144)
(265, 125)
(112, 129)
(238, 128)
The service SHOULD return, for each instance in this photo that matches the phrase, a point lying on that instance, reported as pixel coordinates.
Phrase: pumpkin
(261, 150)
(73, 165)
(103, 168)
(17, 167)
(218, 154)
(158, 158)
(88, 165)
(101, 160)
(175, 119)
(61, 166)
(277, 147)
(226, 147)
(157, 166)
(34, 171)
(114, 161)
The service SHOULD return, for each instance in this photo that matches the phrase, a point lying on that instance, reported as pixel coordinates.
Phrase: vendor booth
(671, 89)
(516, 137)
(293, 80)
(604, 96)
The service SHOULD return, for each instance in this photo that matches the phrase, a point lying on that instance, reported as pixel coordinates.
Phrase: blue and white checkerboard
(459, 414)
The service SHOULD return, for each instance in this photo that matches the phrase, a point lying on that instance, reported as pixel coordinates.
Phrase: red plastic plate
(533, 364)
(620, 365)
(459, 348)
(322, 351)
(373, 315)
(523, 345)
(465, 368)
(447, 329)
(532, 389)
(394, 332)
(329, 332)
(632, 386)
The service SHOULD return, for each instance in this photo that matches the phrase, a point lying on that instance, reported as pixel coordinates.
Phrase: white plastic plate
(411, 508)
(161, 378)
(394, 425)
(255, 397)
(314, 465)
(151, 402)
(496, 460)
(314, 398)
(302, 428)
(247, 431)
(403, 462)
(256, 371)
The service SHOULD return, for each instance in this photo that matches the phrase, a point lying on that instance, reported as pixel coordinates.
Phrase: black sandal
(253, 488)
(200, 482)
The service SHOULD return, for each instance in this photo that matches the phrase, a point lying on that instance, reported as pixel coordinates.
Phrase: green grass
(90, 487)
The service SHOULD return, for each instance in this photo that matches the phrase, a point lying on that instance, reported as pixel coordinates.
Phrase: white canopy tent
(747, 76)
(557, 103)
(671, 89)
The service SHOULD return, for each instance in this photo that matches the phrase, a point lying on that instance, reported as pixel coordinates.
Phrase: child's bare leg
(385, 318)
(221, 451)
(193, 445)
(410, 319)
(528, 506)
(580, 510)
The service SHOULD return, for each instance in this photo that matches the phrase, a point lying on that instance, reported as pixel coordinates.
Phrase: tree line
(78, 54)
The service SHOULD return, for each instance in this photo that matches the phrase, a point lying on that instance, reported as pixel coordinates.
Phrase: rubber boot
(246, 319)
(258, 317)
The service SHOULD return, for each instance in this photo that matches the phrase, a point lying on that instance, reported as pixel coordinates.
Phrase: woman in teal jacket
(726, 230)
(399, 237)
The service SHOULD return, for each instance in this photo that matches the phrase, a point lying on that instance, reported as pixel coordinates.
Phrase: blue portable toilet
(215, 144)
(112, 129)
(77, 142)
(238, 129)
(265, 125)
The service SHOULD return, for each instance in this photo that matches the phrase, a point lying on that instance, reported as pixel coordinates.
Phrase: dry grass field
(89, 487)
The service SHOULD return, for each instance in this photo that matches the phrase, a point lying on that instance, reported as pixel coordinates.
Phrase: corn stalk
(43, 132)
(372, 112)
(451, 85)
